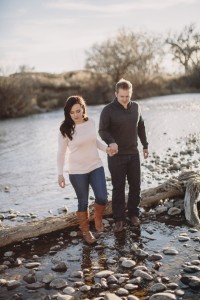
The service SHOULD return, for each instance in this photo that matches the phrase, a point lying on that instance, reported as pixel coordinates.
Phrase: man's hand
(61, 181)
(145, 153)
(113, 149)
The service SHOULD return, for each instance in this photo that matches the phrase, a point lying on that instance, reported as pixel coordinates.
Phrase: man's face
(123, 96)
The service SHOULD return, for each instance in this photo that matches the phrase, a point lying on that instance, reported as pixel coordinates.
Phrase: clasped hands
(112, 149)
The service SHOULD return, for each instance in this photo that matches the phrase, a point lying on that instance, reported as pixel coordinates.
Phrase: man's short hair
(123, 84)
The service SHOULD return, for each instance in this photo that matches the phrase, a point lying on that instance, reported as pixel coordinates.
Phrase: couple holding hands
(121, 124)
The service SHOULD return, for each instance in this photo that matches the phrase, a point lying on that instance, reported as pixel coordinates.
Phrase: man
(120, 125)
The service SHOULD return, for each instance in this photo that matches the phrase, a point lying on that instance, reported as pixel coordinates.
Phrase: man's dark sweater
(123, 126)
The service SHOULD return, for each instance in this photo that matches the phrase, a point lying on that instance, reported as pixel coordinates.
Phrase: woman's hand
(110, 151)
(61, 181)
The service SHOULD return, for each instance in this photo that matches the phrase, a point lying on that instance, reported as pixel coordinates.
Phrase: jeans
(124, 167)
(81, 182)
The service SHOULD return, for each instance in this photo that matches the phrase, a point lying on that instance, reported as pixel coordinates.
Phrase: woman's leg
(81, 187)
(97, 180)
(80, 183)
(98, 183)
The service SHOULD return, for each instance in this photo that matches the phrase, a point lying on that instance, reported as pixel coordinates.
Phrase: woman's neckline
(83, 123)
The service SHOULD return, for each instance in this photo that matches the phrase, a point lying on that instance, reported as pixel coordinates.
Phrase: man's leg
(117, 168)
(134, 181)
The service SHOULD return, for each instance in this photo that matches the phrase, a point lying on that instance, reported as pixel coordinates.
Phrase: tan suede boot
(98, 215)
(83, 219)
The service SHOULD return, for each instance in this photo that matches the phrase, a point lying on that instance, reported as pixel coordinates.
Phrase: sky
(53, 35)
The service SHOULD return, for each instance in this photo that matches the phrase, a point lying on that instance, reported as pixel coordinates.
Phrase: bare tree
(134, 55)
(185, 47)
(25, 69)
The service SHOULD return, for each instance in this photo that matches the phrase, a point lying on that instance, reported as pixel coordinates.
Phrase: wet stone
(35, 286)
(47, 278)
(183, 238)
(60, 267)
(77, 274)
(58, 283)
(12, 284)
(143, 275)
(170, 251)
(158, 287)
(122, 292)
(191, 269)
(131, 297)
(179, 292)
(85, 288)
(111, 296)
(172, 285)
(3, 268)
(163, 296)
(104, 273)
(30, 278)
(69, 290)
(141, 253)
(131, 287)
(32, 265)
(9, 253)
(154, 257)
(112, 279)
(128, 263)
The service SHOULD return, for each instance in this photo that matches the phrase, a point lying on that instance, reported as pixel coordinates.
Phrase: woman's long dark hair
(68, 125)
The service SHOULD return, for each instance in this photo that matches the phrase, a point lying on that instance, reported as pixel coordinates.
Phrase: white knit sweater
(82, 153)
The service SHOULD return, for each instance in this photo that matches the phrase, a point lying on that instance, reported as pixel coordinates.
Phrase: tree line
(136, 56)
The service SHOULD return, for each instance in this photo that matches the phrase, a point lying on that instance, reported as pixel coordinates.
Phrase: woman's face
(76, 114)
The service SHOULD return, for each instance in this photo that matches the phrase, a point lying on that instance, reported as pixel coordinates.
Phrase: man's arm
(143, 137)
(104, 127)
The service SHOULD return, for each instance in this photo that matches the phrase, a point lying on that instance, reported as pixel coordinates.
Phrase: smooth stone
(58, 283)
(111, 296)
(143, 275)
(128, 263)
(122, 292)
(32, 265)
(158, 287)
(104, 273)
(163, 296)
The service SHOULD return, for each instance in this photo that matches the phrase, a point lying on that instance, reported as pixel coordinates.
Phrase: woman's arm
(62, 148)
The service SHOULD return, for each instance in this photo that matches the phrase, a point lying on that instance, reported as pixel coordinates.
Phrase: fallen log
(172, 188)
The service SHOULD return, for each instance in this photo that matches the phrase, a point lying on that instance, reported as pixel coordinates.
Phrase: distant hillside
(26, 93)
(22, 94)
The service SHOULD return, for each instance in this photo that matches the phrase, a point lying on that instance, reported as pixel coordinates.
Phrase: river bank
(28, 190)
(163, 255)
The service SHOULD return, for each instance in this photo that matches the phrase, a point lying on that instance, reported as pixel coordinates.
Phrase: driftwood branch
(172, 188)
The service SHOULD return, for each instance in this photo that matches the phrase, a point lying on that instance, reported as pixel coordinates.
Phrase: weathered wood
(169, 189)
(192, 196)
(174, 187)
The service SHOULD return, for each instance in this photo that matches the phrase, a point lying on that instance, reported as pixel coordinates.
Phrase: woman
(78, 137)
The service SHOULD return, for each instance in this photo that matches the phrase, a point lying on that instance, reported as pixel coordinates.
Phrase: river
(28, 147)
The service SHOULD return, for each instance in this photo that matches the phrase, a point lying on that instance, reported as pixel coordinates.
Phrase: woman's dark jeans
(81, 182)
(124, 167)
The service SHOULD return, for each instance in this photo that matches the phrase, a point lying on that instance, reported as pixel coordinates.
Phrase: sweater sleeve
(142, 131)
(104, 127)
(101, 146)
(62, 148)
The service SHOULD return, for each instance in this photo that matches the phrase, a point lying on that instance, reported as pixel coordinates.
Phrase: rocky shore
(158, 261)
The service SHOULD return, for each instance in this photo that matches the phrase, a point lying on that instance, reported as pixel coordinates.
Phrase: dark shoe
(135, 221)
(119, 226)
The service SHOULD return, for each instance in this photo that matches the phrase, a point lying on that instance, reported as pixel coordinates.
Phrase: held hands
(112, 149)
(61, 181)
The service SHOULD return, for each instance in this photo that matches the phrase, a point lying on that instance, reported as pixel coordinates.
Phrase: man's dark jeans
(124, 167)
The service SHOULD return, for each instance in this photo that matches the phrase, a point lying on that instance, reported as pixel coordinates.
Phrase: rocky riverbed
(158, 261)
